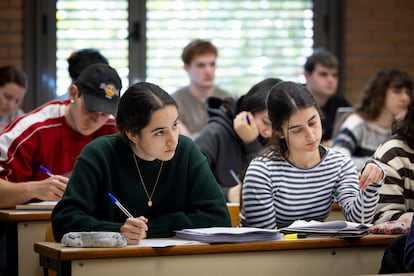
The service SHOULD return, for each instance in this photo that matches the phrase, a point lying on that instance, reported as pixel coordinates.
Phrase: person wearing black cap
(53, 135)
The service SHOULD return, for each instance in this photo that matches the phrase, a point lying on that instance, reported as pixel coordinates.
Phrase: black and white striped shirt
(397, 192)
(276, 192)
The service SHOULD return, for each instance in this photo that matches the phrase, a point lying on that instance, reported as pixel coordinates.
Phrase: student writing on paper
(53, 135)
(234, 134)
(160, 177)
(298, 178)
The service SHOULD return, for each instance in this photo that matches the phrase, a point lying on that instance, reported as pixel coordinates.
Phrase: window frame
(40, 43)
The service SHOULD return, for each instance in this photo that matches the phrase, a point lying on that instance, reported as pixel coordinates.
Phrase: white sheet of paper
(42, 203)
(163, 242)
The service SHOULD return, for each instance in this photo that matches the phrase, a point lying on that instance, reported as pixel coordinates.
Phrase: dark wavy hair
(373, 99)
(283, 100)
(137, 104)
(404, 128)
(255, 99)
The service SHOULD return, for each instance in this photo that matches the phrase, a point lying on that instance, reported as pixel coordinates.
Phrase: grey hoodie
(223, 148)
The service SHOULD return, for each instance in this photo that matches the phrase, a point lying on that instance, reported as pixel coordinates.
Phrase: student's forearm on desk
(14, 193)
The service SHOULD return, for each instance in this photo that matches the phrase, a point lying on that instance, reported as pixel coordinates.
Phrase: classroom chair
(234, 210)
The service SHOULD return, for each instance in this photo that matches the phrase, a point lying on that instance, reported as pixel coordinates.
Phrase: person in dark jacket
(234, 134)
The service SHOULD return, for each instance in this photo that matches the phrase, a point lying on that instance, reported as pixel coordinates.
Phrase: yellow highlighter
(291, 236)
(295, 236)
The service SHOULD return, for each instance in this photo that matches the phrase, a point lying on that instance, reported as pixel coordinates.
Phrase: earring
(72, 101)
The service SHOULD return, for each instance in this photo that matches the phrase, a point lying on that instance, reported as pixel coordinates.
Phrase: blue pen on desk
(49, 173)
(235, 176)
(248, 119)
(120, 206)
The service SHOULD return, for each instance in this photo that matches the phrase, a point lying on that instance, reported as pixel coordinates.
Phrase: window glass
(102, 25)
(255, 39)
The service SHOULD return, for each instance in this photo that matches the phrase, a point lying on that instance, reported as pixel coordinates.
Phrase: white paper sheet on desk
(43, 203)
(157, 243)
(41, 206)
(228, 234)
(336, 226)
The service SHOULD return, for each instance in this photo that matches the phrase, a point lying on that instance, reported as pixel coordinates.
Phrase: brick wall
(11, 32)
(378, 34)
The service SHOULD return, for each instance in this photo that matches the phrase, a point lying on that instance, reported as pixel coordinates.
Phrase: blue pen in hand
(248, 119)
(49, 173)
(120, 206)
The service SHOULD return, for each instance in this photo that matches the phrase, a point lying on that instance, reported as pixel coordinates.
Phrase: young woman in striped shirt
(298, 178)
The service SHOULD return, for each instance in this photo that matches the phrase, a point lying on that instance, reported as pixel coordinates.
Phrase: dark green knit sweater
(187, 194)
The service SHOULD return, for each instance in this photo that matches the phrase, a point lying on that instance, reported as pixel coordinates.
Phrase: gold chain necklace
(142, 180)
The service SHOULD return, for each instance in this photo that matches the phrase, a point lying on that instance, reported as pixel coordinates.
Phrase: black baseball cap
(100, 85)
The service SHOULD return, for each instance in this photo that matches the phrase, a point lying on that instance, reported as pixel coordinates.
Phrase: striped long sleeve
(397, 192)
(276, 193)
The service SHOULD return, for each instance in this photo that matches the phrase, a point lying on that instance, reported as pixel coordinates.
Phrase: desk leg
(28, 233)
(62, 268)
(12, 249)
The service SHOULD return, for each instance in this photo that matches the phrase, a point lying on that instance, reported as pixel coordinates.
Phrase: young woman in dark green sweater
(161, 177)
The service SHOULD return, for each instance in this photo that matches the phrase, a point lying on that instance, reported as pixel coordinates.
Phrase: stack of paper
(338, 228)
(228, 234)
(40, 206)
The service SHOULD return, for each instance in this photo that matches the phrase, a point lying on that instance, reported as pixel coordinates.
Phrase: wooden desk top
(59, 252)
(11, 215)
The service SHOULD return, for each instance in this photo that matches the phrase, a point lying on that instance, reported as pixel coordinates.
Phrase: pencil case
(94, 239)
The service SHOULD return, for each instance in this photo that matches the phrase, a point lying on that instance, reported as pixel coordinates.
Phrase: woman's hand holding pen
(245, 127)
(371, 173)
(135, 229)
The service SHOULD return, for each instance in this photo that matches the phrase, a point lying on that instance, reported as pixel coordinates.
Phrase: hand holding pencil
(245, 127)
(372, 173)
